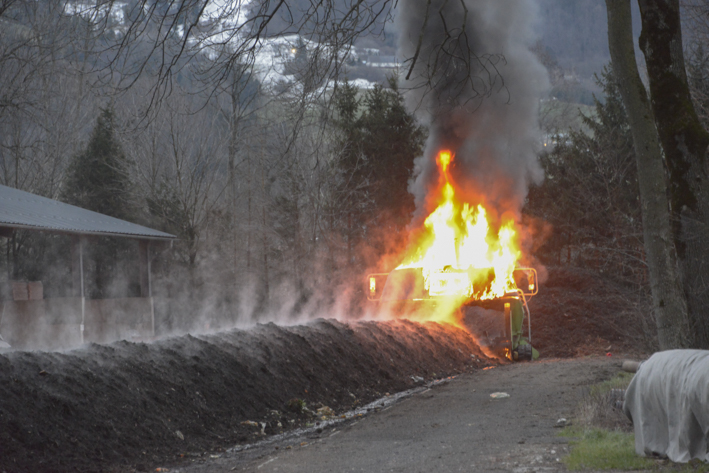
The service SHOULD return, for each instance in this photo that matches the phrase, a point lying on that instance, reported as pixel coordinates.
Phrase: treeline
(589, 200)
(281, 196)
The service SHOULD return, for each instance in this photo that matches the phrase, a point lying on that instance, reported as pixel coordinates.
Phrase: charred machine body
(503, 324)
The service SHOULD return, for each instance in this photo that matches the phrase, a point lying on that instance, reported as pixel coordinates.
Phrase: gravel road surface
(454, 426)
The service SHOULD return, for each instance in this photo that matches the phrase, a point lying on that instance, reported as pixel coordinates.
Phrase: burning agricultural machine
(503, 323)
(463, 268)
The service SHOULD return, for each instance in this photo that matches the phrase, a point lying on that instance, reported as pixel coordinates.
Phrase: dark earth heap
(135, 406)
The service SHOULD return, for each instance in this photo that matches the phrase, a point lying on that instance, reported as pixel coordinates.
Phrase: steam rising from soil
(477, 86)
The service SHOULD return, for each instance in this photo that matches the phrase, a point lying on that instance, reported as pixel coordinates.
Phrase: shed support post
(77, 266)
(144, 249)
(77, 276)
(146, 289)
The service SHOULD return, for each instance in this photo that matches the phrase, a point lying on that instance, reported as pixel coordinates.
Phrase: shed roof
(20, 209)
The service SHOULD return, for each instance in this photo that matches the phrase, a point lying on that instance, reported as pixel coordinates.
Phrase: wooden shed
(30, 321)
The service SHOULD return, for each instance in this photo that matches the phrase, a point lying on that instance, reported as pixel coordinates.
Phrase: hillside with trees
(253, 165)
(237, 131)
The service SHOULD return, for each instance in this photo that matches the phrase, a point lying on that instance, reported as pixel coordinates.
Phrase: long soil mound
(136, 406)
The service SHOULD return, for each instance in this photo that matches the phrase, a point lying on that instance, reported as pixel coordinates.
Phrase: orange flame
(460, 253)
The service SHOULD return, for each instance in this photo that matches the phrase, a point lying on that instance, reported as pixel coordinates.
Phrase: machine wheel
(522, 352)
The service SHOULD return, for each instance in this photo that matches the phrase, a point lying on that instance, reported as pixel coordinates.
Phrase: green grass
(596, 409)
(620, 381)
(599, 449)
(596, 448)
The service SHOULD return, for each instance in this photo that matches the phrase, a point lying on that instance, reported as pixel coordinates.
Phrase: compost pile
(134, 406)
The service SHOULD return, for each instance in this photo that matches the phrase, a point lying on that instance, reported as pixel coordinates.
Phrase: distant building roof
(20, 209)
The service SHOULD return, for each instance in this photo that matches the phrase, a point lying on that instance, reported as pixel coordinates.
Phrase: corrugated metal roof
(20, 209)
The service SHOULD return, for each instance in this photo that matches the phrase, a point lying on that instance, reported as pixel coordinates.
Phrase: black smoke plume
(474, 81)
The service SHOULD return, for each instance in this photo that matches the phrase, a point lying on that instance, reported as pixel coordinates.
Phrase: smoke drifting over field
(477, 86)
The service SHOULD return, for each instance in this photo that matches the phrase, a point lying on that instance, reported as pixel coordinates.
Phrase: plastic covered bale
(668, 402)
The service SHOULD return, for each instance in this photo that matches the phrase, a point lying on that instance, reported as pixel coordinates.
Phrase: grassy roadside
(602, 438)
(603, 449)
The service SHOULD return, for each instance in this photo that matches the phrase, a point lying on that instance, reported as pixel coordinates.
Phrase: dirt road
(455, 426)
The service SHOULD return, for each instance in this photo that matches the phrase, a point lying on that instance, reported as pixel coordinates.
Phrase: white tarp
(668, 402)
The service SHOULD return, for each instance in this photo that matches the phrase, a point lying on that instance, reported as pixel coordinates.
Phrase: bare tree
(669, 305)
(684, 142)
(695, 22)
(43, 114)
(217, 40)
(242, 137)
(178, 168)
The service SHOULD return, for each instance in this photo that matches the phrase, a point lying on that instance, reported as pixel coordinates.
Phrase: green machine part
(518, 342)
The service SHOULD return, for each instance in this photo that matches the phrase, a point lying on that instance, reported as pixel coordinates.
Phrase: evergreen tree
(590, 194)
(97, 180)
(380, 141)
(346, 122)
(391, 140)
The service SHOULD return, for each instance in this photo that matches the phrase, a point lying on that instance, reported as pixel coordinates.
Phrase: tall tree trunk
(350, 231)
(248, 219)
(669, 305)
(264, 227)
(233, 143)
(296, 244)
(684, 142)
